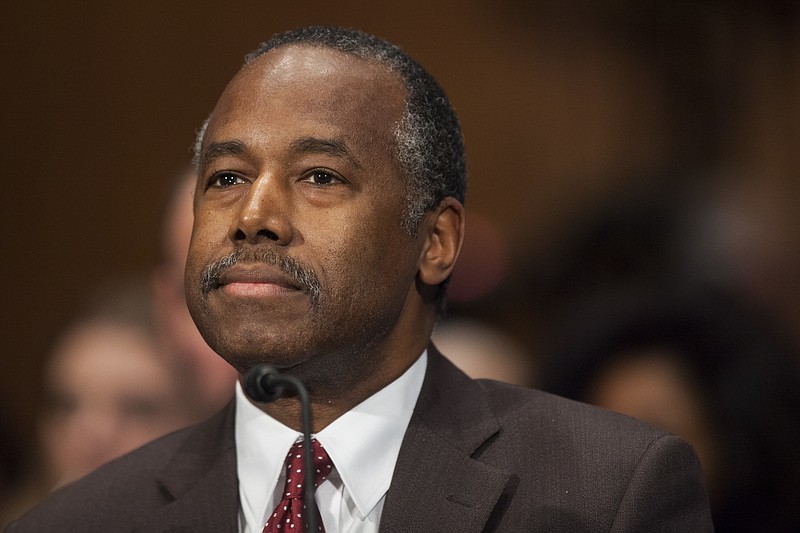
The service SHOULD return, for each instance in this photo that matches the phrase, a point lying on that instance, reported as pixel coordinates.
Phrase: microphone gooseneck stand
(264, 384)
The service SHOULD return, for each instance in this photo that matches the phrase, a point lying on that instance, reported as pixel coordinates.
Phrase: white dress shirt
(363, 444)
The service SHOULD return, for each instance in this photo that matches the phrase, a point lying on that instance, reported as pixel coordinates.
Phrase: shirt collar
(363, 444)
(261, 446)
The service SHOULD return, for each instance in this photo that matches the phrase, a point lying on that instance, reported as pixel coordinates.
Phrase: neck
(288, 412)
(329, 402)
(337, 382)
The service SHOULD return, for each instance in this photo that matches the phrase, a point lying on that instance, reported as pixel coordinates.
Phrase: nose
(263, 214)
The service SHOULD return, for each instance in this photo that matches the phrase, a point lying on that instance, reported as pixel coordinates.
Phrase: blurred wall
(564, 105)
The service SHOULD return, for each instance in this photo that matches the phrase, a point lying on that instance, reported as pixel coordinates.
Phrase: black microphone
(263, 384)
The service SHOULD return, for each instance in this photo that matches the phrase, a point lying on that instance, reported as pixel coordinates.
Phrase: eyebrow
(305, 145)
(219, 149)
(331, 147)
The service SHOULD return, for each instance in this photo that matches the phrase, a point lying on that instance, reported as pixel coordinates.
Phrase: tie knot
(295, 468)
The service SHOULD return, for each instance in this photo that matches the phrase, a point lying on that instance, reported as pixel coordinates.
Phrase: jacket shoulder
(534, 409)
(571, 456)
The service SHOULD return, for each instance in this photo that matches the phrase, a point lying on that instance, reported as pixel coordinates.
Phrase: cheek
(371, 254)
(200, 255)
(207, 239)
(194, 262)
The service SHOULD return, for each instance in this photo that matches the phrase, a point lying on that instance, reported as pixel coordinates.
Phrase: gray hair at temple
(429, 144)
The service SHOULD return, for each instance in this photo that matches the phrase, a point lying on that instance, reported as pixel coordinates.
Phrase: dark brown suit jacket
(477, 456)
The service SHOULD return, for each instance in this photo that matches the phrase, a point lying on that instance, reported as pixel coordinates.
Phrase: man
(328, 219)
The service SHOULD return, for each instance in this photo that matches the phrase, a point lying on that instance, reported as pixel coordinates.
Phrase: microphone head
(261, 384)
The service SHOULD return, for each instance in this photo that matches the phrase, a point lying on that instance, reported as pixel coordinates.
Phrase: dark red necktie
(290, 514)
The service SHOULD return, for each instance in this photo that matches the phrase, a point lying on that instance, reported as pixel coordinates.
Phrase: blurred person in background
(208, 380)
(107, 390)
(481, 350)
(704, 366)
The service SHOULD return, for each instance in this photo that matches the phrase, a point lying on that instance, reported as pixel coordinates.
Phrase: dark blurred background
(610, 143)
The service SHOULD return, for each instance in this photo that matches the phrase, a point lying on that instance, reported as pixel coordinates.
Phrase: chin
(243, 358)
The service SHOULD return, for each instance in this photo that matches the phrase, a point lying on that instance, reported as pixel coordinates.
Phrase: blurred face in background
(207, 379)
(108, 392)
(651, 385)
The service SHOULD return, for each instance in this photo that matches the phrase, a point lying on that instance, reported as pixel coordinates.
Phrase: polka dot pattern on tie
(289, 515)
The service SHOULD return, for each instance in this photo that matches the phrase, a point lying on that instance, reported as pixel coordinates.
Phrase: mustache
(300, 275)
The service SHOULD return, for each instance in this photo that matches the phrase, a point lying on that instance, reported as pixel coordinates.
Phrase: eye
(222, 180)
(322, 177)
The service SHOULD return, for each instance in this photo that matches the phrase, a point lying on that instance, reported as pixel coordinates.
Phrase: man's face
(299, 182)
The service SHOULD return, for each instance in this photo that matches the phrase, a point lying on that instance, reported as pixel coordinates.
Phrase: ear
(445, 234)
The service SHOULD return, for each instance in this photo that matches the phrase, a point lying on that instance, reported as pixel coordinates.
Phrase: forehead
(306, 86)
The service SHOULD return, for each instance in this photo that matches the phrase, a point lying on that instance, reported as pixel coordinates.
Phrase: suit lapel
(437, 484)
(200, 482)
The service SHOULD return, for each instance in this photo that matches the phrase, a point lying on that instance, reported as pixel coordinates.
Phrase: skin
(297, 161)
(482, 351)
(109, 392)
